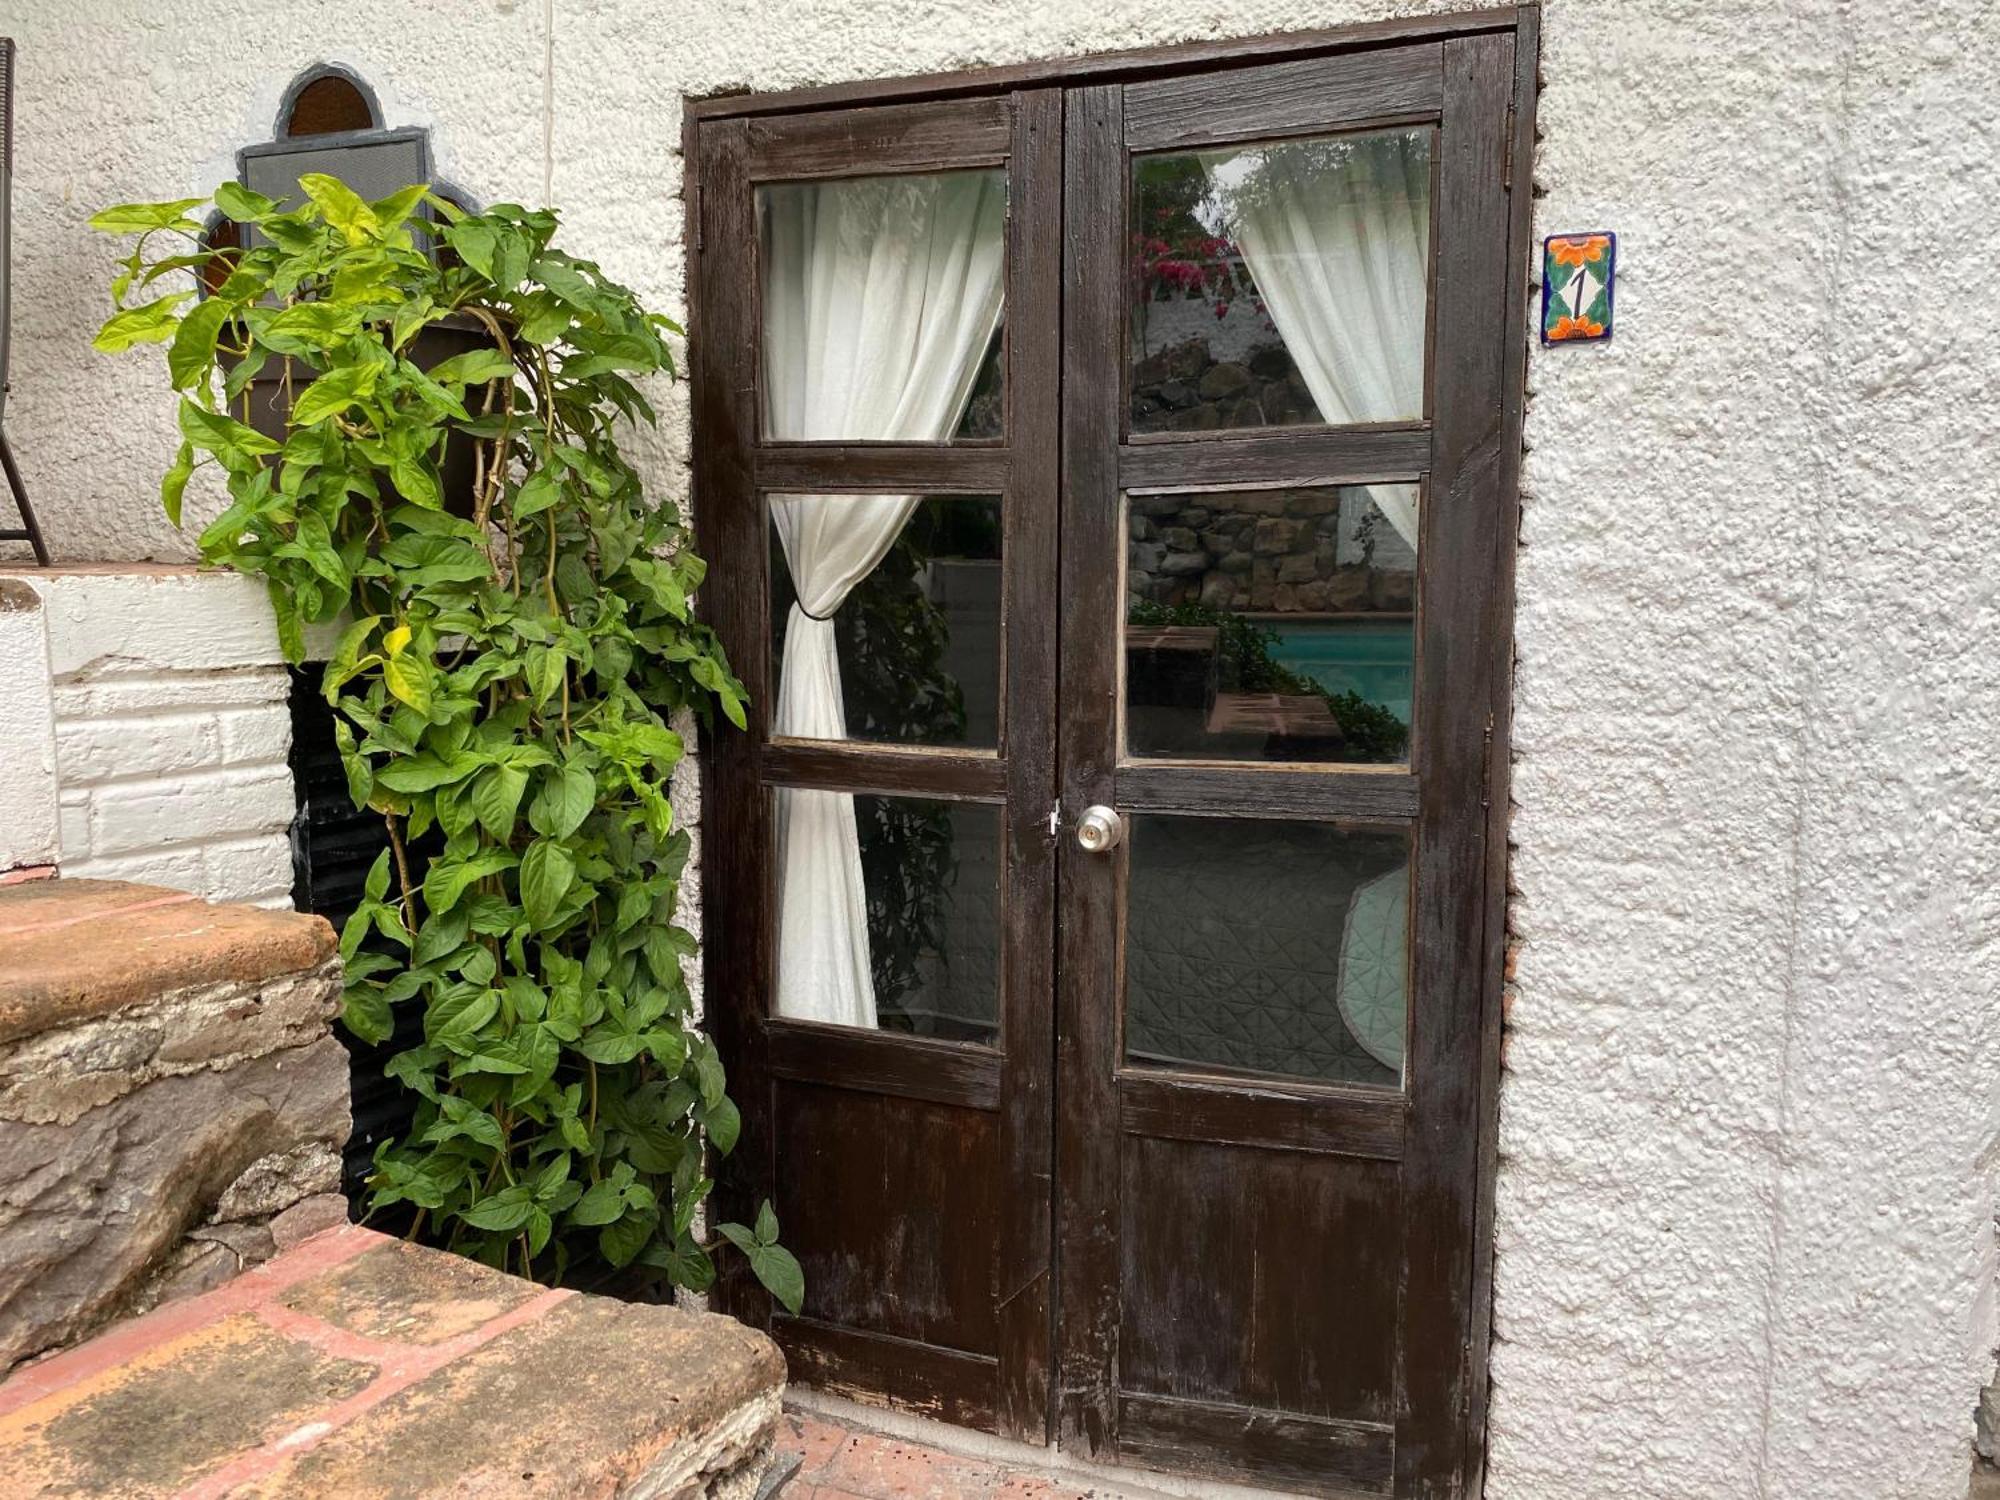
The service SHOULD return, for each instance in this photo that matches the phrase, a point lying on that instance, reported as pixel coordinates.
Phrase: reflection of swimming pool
(1375, 658)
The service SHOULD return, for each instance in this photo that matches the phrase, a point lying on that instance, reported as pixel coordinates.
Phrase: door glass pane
(882, 307)
(1271, 624)
(1281, 283)
(888, 913)
(1267, 946)
(907, 654)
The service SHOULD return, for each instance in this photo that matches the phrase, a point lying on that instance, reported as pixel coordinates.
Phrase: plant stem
(402, 873)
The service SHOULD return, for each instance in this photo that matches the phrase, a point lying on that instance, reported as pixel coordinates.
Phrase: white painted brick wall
(171, 730)
(29, 831)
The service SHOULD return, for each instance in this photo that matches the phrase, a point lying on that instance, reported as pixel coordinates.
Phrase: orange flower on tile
(1574, 328)
(1585, 250)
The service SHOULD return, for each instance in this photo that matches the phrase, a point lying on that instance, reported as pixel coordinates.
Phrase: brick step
(358, 1365)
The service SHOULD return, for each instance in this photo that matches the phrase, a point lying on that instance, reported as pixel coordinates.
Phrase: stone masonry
(172, 1103)
(1291, 551)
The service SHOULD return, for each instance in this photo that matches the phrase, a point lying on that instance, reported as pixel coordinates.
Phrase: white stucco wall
(1746, 1186)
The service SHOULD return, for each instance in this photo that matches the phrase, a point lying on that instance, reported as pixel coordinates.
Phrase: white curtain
(881, 296)
(1336, 234)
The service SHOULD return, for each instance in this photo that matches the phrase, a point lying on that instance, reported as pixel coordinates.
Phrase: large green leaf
(457, 1015)
(563, 802)
(136, 218)
(496, 799)
(333, 393)
(474, 367)
(317, 325)
(173, 485)
(153, 323)
(547, 872)
(365, 1013)
(390, 212)
(193, 348)
(343, 208)
(245, 207)
(474, 242)
(601, 1202)
(448, 879)
(538, 492)
(507, 1210)
(222, 435)
(426, 771)
(781, 1274)
(621, 1242)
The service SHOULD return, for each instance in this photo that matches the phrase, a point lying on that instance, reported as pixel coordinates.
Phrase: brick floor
(848, 1463)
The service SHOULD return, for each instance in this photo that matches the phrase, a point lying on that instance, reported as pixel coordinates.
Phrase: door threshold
(1010, 1459)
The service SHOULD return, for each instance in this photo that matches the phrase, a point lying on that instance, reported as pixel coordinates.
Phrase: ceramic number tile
(1577, 273)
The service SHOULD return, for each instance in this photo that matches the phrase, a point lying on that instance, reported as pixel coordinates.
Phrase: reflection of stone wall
(1309, 551)
(1184, 389)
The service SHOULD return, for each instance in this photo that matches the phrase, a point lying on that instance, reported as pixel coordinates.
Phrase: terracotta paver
(850, 1463)
(356, 1365)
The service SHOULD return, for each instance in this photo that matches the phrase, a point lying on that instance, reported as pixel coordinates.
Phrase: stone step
(172, 1103)
(358, 1365)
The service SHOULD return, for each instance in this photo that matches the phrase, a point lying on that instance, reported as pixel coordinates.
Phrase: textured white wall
(1746, 1188)
(171, 730)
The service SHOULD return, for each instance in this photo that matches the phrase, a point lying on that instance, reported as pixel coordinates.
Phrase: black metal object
(375, 161)
(30, 530)
(333, 845)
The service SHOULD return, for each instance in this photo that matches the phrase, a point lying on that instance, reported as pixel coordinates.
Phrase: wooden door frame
(1485, 445)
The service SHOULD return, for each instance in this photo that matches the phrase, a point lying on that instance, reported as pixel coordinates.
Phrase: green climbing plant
(507, 671)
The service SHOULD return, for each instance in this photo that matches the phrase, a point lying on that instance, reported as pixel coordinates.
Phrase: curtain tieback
(823, 619)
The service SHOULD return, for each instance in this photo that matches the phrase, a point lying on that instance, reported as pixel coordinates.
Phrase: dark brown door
(1109, 492)
(876, 340)
(1284, 575)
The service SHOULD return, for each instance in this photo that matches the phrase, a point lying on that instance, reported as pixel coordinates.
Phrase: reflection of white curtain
(880, 298)
(1336, 234)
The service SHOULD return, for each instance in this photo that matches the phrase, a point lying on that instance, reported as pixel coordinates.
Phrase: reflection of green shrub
(895, 689)
(907, 868)
(892, 642)
(1245, 664)
(893, 638)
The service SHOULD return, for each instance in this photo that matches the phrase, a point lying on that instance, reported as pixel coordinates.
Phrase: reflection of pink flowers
(1207, 266)
(1200, 265)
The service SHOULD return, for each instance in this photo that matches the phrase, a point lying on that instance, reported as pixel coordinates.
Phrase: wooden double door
(1107, 478)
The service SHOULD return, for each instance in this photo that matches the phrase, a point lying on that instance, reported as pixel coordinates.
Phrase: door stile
(737, 824)
(1464, 646)
(1087, 1155)
(859, 1097)
(1028, 903)
(1527, 57)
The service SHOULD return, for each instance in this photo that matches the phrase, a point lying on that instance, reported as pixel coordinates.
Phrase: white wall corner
(30, 828)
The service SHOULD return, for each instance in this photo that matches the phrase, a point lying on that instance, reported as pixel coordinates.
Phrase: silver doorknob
(1100, 830)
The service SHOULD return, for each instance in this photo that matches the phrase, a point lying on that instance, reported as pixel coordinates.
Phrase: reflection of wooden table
(1170, 666)
(1283, 720)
